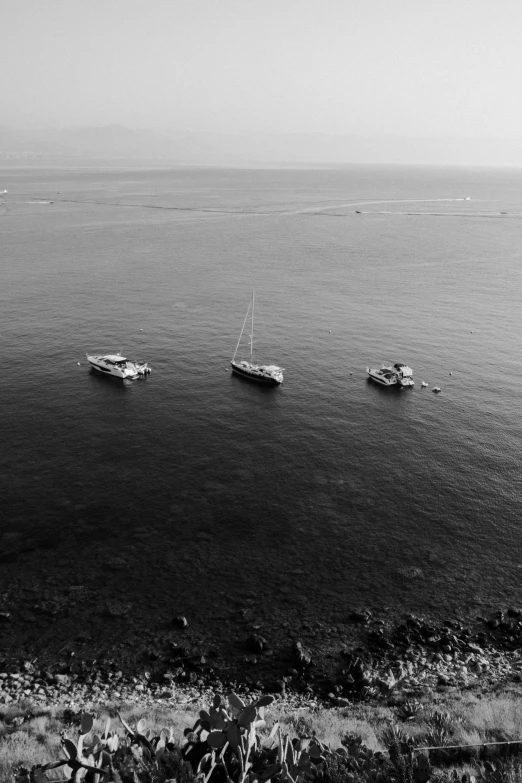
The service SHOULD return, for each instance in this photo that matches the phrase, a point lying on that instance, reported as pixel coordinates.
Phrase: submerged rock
(256, 643)
(360, 616)
(302, 658)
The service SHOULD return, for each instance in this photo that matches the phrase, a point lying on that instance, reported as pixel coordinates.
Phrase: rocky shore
(368, 661)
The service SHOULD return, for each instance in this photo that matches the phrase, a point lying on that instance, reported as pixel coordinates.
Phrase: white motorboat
(404, 375)
(118, 366)
(268, 374)
(392, 375)
(385, 376)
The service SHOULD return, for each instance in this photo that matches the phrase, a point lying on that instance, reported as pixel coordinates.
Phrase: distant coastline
(251, 148)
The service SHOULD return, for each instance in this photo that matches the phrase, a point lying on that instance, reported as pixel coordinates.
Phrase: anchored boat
(392, 375)
(268, 374)
(118, 366)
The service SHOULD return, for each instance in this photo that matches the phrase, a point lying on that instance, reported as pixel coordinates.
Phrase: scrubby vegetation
(234, 742)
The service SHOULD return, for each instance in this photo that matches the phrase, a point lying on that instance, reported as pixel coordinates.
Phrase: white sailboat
(268, 374)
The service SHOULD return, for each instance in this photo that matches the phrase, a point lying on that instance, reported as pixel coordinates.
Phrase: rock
(62, 679)
(386, 683)
(117, 564)
(410, 572)
(117, 609)
(474, 648)
(302, 657)
(256, 643)
(360, 617)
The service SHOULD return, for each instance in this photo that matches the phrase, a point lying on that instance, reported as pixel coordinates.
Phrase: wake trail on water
(365, 203)
(441, 214)
(165, 207)
(316, 211)
(323, 211)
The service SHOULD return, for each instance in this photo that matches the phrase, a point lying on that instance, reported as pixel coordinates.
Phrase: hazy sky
(408, 67)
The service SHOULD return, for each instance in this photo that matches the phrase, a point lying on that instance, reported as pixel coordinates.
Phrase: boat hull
(256, 377)
(113, 373)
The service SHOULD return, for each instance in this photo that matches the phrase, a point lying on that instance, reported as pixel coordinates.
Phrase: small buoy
(472, 331)
(451, 373)
(351, 373)
(141, 330)
(79, 365)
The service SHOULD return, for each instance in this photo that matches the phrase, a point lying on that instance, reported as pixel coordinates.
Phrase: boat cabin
(115, 359)
(403, 370)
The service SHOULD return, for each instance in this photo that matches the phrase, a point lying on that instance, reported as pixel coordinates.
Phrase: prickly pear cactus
(225, 738)
(421, 769)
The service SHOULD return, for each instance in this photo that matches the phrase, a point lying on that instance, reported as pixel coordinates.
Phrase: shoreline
(373, 663)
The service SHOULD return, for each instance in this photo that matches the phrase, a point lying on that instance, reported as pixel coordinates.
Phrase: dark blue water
(324, 494)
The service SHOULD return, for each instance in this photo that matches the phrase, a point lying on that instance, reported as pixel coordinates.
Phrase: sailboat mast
(252, 330)
(241, 333)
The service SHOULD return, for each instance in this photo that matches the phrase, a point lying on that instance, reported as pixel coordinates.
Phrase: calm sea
(192, 487)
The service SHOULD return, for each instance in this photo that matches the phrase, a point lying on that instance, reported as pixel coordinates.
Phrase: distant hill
(116, 142)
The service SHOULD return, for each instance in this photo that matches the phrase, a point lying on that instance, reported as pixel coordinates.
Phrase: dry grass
(497, 716)
(330, 726)
(501, 714)
(22, 748)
